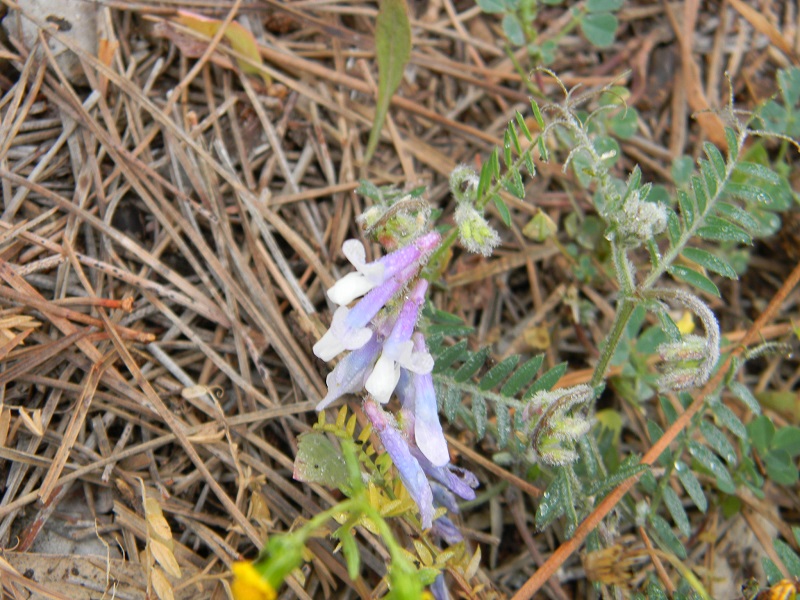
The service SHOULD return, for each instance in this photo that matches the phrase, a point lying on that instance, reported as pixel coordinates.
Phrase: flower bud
(638, 221)
(475, 233)
(464, 184)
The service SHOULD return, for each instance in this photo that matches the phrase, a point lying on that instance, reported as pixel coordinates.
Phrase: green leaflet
(499, 372)
(788, 557)
(479, 413)
(709, 261)
(599, 28)
(665, 537)
(522, 376)
(392, 49)
(744, 394)
(772, 571)
(553, 502)
(452, 354)
(723, 231)
(547, 380)
(718, 441)
(471, 365)
(319, 461)
(630, 467)
(501, 206)
(729, 420)
(694, 278)
(714, 465)
(716, 159)
(691, 485)
(503, 425)
(676, 510)
(686, 202)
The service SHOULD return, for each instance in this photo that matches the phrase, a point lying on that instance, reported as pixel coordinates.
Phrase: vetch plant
(403, 358)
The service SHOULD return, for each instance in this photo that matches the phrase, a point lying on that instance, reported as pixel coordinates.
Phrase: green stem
(438, 255)
(624, 312)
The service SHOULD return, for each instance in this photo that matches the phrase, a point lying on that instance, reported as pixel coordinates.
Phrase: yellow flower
(686, 323)
(248, 584)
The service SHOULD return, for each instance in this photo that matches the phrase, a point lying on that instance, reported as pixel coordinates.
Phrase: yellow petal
(686, 323)
(248, 583)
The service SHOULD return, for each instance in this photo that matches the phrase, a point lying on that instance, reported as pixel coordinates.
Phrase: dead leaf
(156, 522)
(207, 434)
(537, 338)
(165, 557)
(241, 40)
(161, 585)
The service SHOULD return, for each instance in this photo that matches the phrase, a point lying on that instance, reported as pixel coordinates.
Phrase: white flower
(371, 275)
(398, 350)
(355, 285)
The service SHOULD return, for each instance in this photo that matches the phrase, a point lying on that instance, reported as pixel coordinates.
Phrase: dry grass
(169, 226)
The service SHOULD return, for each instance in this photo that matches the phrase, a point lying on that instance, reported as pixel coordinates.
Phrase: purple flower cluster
(387, 356)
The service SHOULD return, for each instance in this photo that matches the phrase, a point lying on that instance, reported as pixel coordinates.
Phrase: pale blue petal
(447, 530)
(349, 375)
(411, 474)
(459, 481)
(341, 336)
(398, 260)
(439, 587)
(398, 350)
(427, 427)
